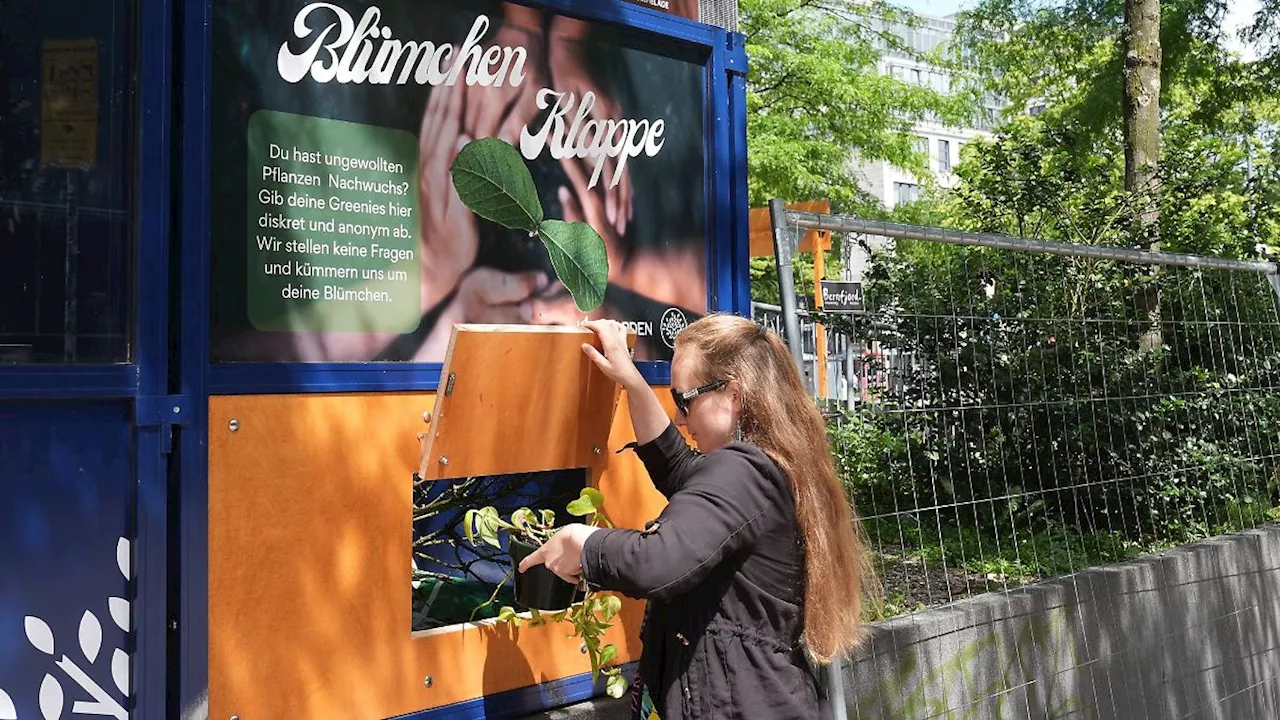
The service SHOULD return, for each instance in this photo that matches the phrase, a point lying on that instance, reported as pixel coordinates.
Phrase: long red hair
(782, 419)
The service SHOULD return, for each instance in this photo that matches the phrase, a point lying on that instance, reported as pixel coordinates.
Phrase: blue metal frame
(152, 434)
(736, 66)
(268, 378)
(192, 609)
(145, 378)
(33, 382)
(728, 291)
(524, 701)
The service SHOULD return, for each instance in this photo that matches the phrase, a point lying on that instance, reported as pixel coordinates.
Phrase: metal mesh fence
(1003, 415)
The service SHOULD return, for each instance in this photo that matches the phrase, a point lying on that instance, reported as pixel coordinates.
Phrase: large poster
(336, 232)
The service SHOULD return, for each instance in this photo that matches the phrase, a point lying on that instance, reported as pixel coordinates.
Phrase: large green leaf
(492, 180)
(580, 260)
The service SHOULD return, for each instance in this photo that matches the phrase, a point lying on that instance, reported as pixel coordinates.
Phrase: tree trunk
(1142, 137)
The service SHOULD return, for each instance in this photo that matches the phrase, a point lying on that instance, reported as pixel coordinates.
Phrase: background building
(894, 186)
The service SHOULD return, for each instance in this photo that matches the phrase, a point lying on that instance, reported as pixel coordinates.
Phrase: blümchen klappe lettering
(587, 138)
(349, 52)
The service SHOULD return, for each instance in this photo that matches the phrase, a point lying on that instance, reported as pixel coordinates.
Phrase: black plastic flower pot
(538, 588)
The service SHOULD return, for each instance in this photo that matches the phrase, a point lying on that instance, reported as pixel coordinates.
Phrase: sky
(1239, 14)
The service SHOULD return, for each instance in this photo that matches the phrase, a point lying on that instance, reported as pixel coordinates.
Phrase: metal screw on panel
(427, 681)
(235, 717)
(176, 409)
(597, 450)
(582, 648)
(234, 425)
(444, 460)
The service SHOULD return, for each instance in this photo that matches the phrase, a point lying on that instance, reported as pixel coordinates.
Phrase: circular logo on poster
(673, 321)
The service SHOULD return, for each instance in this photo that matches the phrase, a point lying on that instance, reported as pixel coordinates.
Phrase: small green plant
(592, 617)
(493, 181)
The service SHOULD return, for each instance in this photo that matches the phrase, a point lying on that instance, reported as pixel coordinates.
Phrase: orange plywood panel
(310, 501)
(553, 406)
(761, 229)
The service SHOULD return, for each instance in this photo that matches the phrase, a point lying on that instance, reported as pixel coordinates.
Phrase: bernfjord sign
(842, 297)
(337, 48)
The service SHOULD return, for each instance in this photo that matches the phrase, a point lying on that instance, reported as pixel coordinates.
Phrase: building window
(944, 156)
(904, 193)
(920, 145)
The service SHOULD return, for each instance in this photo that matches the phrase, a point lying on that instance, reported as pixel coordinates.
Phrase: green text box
(332, 226)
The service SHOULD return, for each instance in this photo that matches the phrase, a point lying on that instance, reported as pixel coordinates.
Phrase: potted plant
(539, 588)
(546, 597)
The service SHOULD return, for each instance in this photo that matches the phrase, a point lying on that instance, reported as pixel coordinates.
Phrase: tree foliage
(1021, 396)
(816, 101)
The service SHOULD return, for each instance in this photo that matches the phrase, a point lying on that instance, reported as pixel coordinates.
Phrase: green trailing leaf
(595, 496)
(588, 502)
(524, 519)
(548, 517)
(608, 654)
(616, 686)
(610, 606)
(492, 180)
(580, 260)
(580, 508)
(487, 525)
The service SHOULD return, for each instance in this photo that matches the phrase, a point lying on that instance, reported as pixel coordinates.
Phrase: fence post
(786, 281)
(791, 325)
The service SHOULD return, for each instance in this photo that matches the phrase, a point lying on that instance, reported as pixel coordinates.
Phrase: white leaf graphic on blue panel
(100, 701)
(7, 710)
(123, 558)
(50, 698)
(90, 636)
(39, 634)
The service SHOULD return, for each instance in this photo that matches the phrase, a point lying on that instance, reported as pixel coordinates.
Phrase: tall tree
(1125, 69)
(1142, 110)
(1142, 60)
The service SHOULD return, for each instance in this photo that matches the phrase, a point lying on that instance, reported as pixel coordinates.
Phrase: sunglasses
(684, 397)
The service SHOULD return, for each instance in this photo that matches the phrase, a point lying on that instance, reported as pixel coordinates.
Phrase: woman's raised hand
(614, 358)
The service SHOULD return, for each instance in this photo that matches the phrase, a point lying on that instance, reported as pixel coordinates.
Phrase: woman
(755, 569)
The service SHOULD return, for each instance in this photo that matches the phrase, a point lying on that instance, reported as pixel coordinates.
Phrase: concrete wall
(1191, 633)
